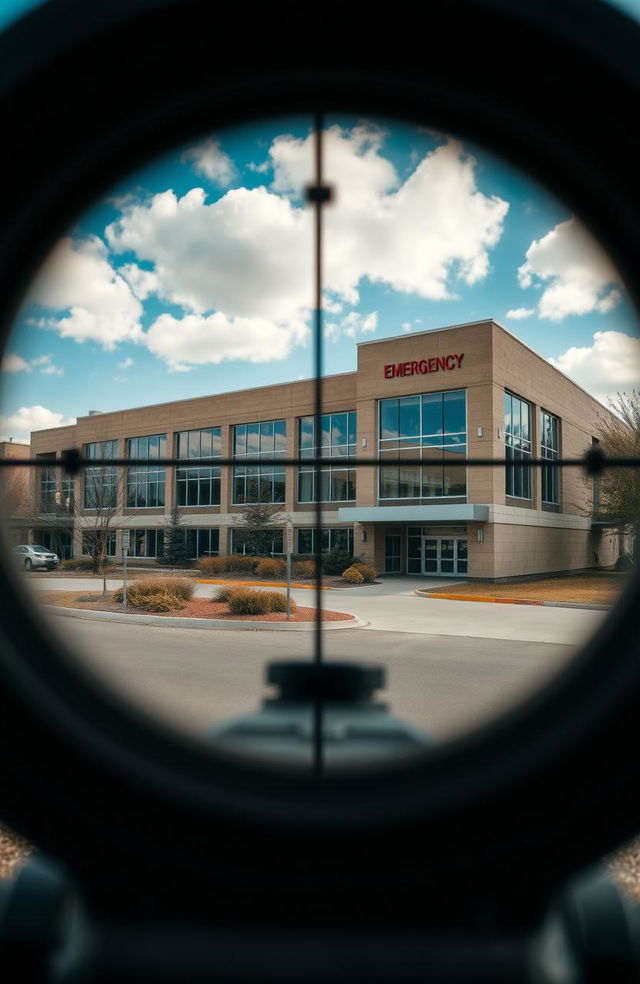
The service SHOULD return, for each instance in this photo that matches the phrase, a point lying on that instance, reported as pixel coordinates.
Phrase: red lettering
(395, 370)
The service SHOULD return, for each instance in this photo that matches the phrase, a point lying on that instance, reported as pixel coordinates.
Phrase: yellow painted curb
(261, 584)
(488, 599)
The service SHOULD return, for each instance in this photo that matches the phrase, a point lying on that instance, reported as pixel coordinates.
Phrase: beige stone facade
(486, 529)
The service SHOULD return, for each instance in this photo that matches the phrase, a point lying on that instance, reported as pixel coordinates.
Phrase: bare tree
(618, 489)
(102, 485)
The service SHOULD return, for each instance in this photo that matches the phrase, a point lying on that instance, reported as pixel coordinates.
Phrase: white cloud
(261, 168)
(195, 340)
(611, 364)
(210, 160)
(95, 301)
(20, 424)
(142, 282)
(14, 363)
(573, 270)
(47, 366)
(44, 363)
(247, 256)
(351, 325)
(406, 326)
(125, 364)
(517, 314)
(418, 236)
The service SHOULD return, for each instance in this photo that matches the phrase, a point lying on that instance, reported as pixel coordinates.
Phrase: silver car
(33, 556)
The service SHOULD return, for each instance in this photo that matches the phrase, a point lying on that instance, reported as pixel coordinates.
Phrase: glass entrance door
(392, 546)
(444, 555)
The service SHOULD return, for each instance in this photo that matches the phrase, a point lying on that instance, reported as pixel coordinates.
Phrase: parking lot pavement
(393, 606)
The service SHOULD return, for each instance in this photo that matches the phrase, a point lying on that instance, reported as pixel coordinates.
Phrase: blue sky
(193, 276)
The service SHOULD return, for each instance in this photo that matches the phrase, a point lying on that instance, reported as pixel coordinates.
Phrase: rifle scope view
(319, 495)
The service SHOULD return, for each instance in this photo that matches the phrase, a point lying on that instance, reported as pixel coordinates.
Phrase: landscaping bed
(597, 588)
(195, 608)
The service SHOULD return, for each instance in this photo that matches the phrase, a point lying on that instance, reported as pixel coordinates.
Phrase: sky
(194, 275)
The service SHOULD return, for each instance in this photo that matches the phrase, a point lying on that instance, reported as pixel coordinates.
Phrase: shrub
(212, 565)
(278, 601)
(180, 588)
(238, 562)
(369, 574)
(337, 561)
(271, 567)
(352, 576)
(158, 601)
(81, 564)
(225, 593)
(304, 568)
(248, 601)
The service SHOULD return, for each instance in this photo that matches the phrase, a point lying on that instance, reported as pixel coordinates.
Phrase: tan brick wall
(492, 361)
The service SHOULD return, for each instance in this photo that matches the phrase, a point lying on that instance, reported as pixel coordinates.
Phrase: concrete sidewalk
(393, 606)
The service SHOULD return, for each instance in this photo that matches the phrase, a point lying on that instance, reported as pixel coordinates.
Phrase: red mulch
(203, 608)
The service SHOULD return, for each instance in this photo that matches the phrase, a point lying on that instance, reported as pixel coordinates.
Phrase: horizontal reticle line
(79, 463)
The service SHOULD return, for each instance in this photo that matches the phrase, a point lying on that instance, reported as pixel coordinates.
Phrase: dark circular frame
(88, 96)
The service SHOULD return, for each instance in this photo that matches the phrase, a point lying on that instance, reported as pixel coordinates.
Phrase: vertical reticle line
(318, 195)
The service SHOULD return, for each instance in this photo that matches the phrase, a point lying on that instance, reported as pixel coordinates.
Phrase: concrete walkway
(393, 606)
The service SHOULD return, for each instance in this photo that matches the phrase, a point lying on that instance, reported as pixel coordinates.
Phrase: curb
(489, 600)
(201, 623)
(260, 584)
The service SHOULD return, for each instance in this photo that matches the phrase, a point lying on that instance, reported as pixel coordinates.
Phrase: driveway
(393, 606)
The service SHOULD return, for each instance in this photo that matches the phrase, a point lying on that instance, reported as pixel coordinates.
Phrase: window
(91, 540)
(550, 449)
(100, 481)
(433, 428)
(337, 441)
(333, 538)
(198, 486)
(517, 439)
(146, 543)
(239, 547)
(145, 483)
(266, 440)
(48, 484)
(202, 543)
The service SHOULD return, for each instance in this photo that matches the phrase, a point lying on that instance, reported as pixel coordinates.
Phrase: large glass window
(275, 546)
(267, 440)
(431, 427)
(48, 484)
(198, 486)
(333, 538)
(146, 543)
(335, 441)
(550, 449)
(97, 538)
(202, 543)
(101, 480)
(146, 483)
(517, 440)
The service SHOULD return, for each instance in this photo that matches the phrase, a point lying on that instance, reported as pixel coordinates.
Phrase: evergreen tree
(174, 552)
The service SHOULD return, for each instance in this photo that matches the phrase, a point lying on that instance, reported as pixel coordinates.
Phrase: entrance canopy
(451, 512)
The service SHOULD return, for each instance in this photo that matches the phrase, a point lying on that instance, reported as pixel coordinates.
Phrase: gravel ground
(13, 851)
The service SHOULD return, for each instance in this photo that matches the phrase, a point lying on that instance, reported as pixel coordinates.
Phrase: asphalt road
(192, 678)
